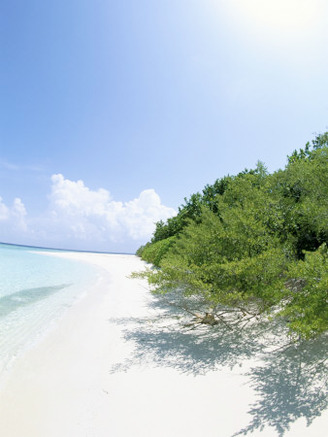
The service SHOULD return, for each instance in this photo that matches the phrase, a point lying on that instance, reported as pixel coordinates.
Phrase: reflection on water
(26, 297)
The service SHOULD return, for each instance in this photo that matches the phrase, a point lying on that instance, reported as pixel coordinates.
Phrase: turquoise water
(35, 291)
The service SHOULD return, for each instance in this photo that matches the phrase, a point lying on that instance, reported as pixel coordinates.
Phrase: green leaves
(254, 242)
(153, 253)
(306, 297)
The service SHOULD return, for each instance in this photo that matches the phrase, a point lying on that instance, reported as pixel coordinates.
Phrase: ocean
(35, 291)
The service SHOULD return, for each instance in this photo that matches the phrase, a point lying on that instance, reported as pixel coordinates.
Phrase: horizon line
(65, 250)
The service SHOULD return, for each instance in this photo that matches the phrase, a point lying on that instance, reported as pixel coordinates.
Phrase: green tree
(252, 244)
(306, 297)
(232, 260)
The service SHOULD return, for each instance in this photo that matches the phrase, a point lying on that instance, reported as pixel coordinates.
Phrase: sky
(112, 112)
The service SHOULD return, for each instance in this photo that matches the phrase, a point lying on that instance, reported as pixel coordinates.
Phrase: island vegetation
(250, 246)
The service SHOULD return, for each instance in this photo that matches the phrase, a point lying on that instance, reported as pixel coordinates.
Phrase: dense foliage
(253, 244)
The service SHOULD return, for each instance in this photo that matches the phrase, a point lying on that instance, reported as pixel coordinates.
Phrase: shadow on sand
(289, 381)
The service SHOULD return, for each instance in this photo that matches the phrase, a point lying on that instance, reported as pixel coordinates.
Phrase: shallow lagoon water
(35, 291)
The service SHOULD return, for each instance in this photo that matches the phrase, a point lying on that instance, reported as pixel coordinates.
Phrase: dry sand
(114, 366)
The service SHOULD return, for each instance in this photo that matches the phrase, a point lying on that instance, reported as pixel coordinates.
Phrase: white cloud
(93, 217)
(18, 213)
(4, 211)
(138, 215)
(75, 198)
(78, 217)
(12, 220)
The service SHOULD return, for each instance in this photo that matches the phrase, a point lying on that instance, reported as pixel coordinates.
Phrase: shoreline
(112, 366)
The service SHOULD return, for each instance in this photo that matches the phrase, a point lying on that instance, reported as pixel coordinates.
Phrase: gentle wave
(35, 291)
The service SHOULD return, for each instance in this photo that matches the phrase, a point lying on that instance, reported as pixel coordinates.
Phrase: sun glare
(281, 14)
(277, 17)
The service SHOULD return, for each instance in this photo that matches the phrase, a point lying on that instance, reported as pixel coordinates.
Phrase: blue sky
(112, 112)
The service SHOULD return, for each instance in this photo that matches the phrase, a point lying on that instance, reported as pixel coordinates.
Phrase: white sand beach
(116, 365)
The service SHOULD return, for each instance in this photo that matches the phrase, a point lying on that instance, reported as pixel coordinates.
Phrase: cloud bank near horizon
(80, 218)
